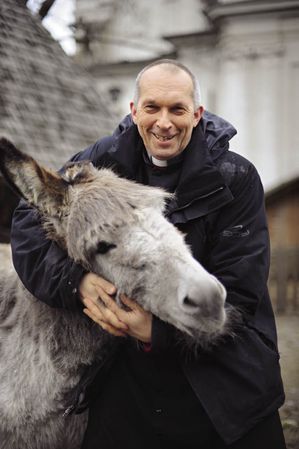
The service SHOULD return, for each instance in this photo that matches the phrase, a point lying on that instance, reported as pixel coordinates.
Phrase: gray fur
(44, 351)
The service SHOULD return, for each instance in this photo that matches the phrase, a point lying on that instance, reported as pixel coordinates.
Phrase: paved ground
(288, 338)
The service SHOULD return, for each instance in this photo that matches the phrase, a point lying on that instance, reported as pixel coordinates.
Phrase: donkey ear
(41, 187)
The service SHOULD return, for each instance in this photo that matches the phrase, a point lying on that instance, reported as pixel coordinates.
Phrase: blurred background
(67, 72)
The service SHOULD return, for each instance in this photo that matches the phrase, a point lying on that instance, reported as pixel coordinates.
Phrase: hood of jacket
(218, 132)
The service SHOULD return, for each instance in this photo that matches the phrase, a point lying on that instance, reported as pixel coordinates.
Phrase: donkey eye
(103, 247)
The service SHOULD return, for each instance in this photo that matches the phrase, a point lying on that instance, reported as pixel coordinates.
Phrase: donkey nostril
(189, 302)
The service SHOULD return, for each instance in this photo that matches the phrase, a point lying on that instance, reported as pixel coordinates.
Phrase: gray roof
(49, 107)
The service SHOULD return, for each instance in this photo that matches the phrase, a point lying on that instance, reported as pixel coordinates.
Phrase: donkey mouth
(203, 326)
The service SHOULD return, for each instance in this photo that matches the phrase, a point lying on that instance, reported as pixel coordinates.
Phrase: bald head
(170, 66)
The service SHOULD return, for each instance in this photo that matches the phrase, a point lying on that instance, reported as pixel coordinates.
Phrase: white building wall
(258, 66)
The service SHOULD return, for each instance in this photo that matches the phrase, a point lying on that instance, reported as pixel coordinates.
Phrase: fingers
(122, 315)
(102, 309)
(91, 283)
(103, 315)
(111, 304)
(106, 286)
(138, 320)
(95, 292)
(133, 305)
(110, 310)
(107, 327)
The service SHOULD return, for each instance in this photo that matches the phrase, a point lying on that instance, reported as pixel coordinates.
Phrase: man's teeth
(163, 138)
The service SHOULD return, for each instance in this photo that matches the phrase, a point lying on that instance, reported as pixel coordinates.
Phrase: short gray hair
(174, 64)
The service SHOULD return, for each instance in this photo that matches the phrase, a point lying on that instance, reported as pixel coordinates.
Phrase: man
(155, 394)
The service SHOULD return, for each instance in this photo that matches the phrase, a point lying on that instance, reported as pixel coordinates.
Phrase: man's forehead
(163, 72)
(167, 82)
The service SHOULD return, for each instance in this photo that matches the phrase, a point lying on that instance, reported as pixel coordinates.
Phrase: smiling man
(166, 112)
(157, 393)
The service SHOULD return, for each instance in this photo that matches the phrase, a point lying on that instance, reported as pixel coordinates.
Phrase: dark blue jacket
(219, 205)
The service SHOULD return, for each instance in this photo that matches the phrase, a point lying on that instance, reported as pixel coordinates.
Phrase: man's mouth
(163, 138)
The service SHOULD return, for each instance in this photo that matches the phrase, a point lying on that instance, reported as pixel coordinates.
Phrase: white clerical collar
(158, 162)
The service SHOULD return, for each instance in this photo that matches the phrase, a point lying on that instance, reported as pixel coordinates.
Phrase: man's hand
(96, 294)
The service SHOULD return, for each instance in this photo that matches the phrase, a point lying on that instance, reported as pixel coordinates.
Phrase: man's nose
(164, 120)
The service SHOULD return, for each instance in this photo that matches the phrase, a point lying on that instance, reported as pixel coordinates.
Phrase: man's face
(165, 114)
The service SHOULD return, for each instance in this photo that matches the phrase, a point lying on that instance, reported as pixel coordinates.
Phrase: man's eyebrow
(149, 100)
(178, 105)
(174, 105)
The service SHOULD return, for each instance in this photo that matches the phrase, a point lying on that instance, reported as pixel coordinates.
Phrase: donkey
(115, 228)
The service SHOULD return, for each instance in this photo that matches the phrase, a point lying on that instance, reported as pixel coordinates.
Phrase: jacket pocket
(263, 340)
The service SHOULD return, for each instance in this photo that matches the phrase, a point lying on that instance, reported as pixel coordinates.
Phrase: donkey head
(116, 228)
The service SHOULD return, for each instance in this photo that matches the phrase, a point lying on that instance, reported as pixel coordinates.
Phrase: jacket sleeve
(43, 267)
(238, 249)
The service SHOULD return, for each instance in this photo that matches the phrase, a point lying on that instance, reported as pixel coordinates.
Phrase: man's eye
(178, 111)
(104, 247)
(150, 108)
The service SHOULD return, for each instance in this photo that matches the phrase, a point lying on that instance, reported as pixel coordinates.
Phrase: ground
(288, 340)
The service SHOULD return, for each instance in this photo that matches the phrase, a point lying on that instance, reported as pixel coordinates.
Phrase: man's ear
(198, 115)
(133, 111)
